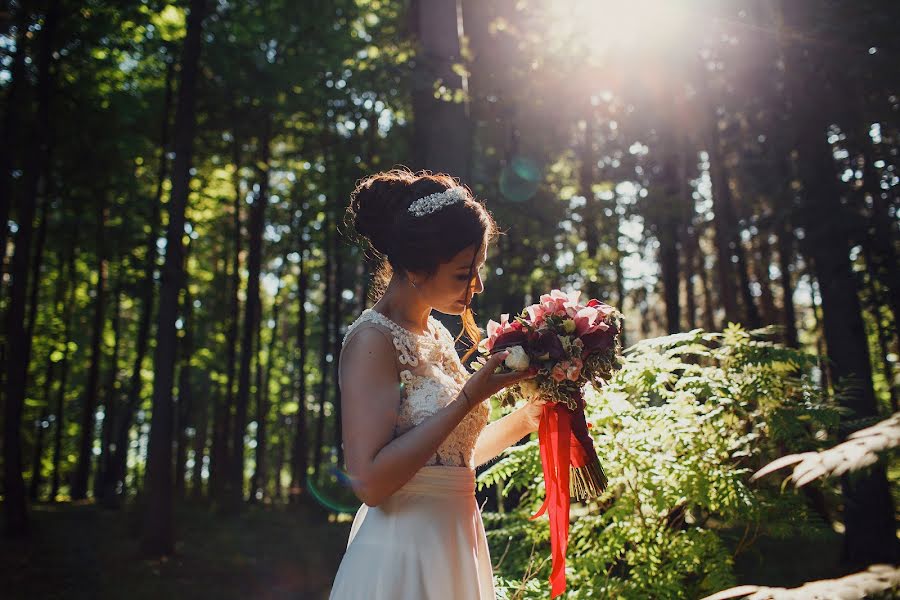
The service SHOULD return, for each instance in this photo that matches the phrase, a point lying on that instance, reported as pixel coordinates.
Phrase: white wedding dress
(427, 540)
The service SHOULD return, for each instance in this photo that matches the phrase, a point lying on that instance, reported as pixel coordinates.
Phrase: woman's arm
(370, 400)
(504, 432)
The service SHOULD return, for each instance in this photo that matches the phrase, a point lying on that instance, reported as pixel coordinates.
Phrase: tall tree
(868, 511)
(89, 405)
(16, 516)
(255, 226)
(158, 532)
(442, 136)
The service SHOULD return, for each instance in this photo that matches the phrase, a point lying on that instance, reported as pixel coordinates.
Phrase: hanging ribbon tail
(544, 443)
(587, 477)
(554, 432)
(559, 504)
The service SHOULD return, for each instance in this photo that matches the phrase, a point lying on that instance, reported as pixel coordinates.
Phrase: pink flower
(495, 329)
(558, 373)
(573, 370)
(605, 309)
(589, 320)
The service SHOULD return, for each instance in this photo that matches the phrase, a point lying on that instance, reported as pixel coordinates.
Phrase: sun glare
(607, 25)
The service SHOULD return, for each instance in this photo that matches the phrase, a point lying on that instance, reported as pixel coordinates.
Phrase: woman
(414, 419)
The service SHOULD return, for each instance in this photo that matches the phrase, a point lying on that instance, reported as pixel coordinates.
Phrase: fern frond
(860, 450)
(876, 579)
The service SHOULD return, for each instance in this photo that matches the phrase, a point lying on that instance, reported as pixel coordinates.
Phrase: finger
(495, 359)
(514, 377)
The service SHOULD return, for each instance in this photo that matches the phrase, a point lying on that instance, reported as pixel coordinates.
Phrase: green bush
(679, 430)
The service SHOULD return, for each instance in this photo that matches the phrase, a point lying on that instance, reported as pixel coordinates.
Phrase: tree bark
(185, 405)
(16, 515)
(868, 509)
(442, 132)
(158, 534)
(299, 448)
(59, 419)
(259, 485)
(785, 261)
(235, 484)
(219, 454)
(115, 475)
(723, 222)
(325, 342)
(89, 404)
(111, 402)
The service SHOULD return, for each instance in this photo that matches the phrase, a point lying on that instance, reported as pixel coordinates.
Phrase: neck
(402, 304)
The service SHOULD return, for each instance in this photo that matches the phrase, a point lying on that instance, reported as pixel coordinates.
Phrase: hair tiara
(435, 202)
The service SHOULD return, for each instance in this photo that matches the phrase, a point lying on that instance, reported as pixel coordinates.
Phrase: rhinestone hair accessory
(435, 202)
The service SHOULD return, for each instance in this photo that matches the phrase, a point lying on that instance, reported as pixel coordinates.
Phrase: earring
(413, 283)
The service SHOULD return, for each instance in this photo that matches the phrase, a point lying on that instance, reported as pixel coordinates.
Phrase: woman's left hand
(531, 413)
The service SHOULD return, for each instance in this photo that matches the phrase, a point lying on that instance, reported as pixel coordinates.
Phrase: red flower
(509, 338)
(599, 340)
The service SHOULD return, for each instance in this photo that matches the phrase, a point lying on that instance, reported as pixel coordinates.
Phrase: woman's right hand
(484, 383)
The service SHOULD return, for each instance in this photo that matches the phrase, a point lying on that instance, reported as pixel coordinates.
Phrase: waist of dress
(441, 481)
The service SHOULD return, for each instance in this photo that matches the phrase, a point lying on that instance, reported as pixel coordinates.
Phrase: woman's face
(446, 289)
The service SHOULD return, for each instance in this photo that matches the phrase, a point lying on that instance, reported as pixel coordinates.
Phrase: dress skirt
(425, 542)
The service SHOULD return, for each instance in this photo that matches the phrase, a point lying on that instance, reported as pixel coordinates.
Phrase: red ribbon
(554, 433)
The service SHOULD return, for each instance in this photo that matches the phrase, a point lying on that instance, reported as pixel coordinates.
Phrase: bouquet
(572, 345)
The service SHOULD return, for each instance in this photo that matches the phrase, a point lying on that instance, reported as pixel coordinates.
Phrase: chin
(454, 308)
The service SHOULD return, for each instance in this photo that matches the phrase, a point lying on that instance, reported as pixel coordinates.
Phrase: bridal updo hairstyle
(402, 242)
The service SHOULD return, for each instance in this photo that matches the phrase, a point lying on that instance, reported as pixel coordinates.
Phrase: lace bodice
(431, 376)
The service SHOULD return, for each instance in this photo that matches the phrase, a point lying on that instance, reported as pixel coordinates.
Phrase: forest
(178, 275)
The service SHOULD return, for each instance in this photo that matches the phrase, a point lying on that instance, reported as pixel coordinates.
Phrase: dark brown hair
(402, 242)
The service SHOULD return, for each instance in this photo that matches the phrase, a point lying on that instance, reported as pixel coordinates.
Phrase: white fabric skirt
(425, 542)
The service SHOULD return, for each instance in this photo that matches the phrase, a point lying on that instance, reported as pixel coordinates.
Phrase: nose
(479, 285)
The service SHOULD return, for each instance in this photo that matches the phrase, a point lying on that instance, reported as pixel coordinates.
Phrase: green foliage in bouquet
(681, 427)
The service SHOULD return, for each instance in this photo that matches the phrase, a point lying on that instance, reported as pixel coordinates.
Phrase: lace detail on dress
(434, 377)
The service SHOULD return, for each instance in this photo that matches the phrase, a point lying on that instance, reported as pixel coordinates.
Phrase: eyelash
(464, 277)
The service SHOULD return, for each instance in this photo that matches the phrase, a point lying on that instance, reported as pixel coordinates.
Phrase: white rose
(517, 359)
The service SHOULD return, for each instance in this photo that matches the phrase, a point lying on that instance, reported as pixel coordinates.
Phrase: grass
(83, 551)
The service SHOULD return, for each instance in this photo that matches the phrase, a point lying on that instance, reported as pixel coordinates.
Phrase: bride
(415, 421)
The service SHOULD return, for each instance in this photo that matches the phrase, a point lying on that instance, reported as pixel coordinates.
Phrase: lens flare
(519, 179)
(320, 496)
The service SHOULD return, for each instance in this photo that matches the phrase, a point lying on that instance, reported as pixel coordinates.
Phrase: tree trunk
(336, 314)
(258, 485)
(442, 132)
(59, 420)
(751, 314)
(89, 405)
(219, 454)
(876, 302)
(667, 212)
(785, 261)
(111, 402)
(202, 422)
(325, 342)
(158, 534)
(868, 509)
(114, 475)
(723, 222)
(17, 362)
(300, 449)
(59, 310)
(12, 120)
(255, 226)
(762, 261)
(35, 281)
(185, 405)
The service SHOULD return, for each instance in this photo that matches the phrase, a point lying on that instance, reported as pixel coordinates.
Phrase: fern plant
(679, 429)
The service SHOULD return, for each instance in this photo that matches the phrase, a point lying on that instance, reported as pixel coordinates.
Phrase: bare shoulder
(368, 347)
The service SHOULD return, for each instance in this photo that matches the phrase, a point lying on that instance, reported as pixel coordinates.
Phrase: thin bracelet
(468, 402)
